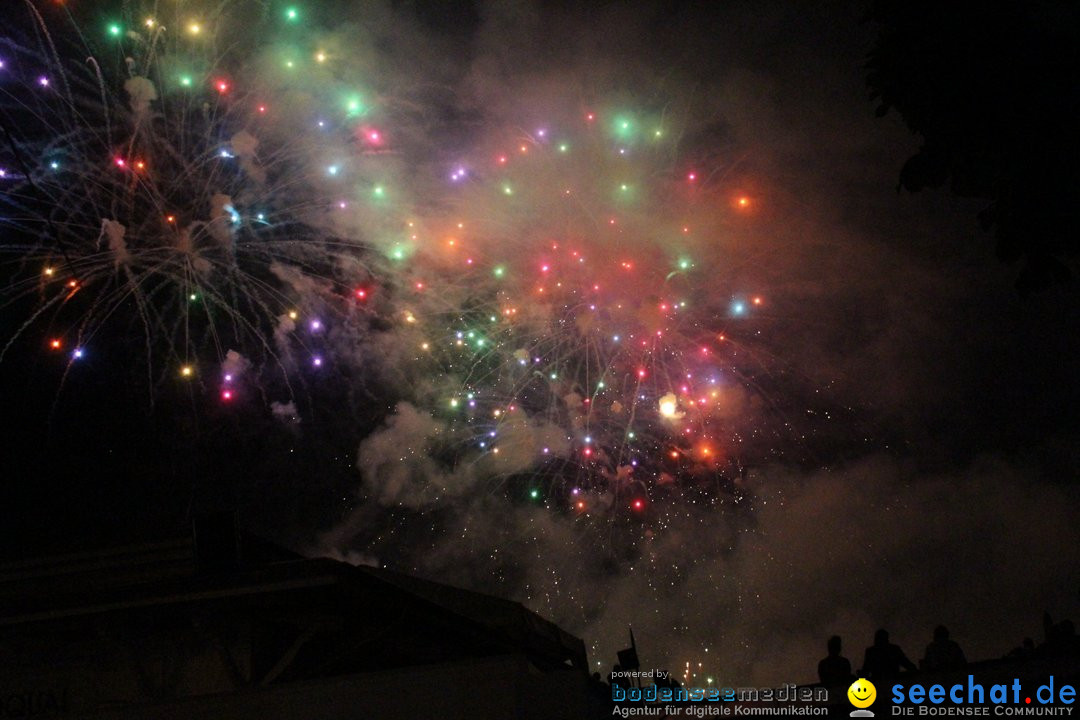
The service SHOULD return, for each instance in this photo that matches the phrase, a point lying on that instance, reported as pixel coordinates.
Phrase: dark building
(153, 633)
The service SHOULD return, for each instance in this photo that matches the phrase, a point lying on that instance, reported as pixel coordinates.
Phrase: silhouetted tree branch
(994, 91)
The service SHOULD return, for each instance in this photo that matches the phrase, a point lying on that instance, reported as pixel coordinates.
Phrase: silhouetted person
(883, 659)
(835, 669)
(943, 654)
(599, 697)
(1063, 640)
(1025, 650)
(1048, 627)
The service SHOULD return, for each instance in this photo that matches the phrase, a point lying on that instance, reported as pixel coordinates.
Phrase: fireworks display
(567, 298)
(568, 304)
(576, 322)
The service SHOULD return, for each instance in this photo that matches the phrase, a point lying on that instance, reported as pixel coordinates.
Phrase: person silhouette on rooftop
(884, 659)
(943, 654)
(835, 669)
(1064, 640)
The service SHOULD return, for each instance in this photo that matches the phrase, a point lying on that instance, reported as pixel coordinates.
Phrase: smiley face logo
(862, 693)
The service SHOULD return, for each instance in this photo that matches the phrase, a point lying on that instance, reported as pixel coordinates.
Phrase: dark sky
(941, 489)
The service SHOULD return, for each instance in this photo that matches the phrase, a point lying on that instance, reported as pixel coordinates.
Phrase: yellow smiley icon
(862, 693)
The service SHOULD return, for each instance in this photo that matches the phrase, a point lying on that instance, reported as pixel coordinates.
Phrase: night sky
(611, 309)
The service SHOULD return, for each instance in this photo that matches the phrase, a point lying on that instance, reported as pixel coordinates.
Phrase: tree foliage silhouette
(993, 90)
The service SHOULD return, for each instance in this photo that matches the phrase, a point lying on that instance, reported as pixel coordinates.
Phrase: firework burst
(570, 309)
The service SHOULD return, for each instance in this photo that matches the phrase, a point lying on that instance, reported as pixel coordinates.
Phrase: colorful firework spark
(566, 302)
